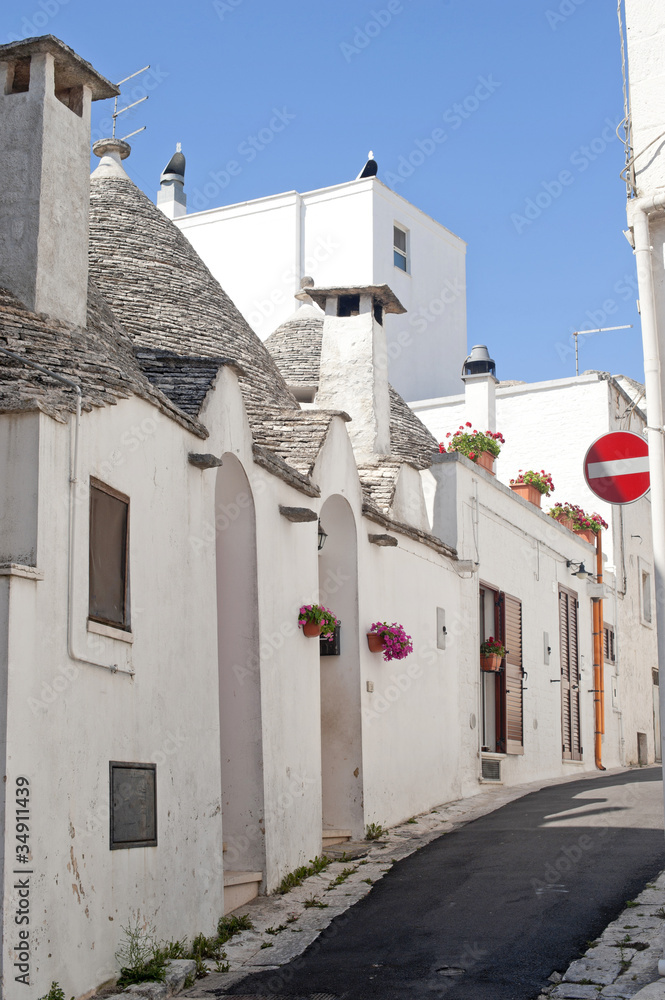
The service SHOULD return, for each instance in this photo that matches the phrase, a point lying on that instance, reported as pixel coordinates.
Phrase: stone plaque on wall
(133, 805)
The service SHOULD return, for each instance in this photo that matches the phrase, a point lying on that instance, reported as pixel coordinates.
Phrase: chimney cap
(73, 70)
(104, 146)
(176, 164)
(479, 362)
(380, 293)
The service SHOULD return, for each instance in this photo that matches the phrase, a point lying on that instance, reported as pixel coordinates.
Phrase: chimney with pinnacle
(46, 91)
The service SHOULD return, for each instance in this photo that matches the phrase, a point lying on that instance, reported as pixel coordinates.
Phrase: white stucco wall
(550, 425)
(645, 37)
(68, 719)
(343, 235)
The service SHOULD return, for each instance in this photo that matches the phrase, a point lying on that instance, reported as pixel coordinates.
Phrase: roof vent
(479, 362)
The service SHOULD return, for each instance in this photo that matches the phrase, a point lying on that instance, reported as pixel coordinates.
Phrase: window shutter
(570, 676)
(109, 520)
(514, 699)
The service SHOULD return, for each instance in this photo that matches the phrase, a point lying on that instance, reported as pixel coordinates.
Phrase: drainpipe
(598, 679)
(73, 483)
(638, 217)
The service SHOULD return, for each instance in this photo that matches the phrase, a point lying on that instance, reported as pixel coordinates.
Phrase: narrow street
(489, 911)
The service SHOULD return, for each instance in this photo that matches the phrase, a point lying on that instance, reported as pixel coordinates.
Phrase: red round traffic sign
(616, 467)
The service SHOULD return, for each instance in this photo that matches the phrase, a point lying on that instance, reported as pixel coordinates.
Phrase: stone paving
(619, 965)
(623, 962)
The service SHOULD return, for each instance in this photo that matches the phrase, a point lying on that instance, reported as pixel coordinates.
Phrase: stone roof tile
(165, 296)
(99, 358)
(296, 349)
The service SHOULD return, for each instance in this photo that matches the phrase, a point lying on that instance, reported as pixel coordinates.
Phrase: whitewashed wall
(67, 719)
(343, 235)
(550, 425)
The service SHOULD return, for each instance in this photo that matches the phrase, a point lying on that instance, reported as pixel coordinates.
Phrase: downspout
(73, 483)
(638, 217)
(598, 680)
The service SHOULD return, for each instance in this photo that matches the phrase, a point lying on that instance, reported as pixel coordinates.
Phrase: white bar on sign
(619, 467)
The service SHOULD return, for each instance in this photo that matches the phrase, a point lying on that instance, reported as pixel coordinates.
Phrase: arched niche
(341, 731)
(239, 675)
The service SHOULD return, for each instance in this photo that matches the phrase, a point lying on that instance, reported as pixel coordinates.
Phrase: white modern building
(355, 233)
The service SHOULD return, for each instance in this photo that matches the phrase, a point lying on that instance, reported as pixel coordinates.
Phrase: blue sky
(528, 94)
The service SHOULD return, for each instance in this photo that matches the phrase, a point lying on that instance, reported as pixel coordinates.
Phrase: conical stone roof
(296, 349)
(164, 295)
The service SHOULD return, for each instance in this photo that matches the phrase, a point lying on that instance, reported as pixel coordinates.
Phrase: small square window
(400, 251)
(109, 556)
(378, 312)
(348, 305)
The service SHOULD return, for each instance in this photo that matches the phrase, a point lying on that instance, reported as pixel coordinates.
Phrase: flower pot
(528, 492)
(311, 629)
(587, 534)
(375, 642)
(491, 662)
(485, 460)
(566, 522)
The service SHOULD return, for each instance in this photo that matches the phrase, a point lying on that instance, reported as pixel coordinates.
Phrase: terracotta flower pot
(311, 629)
(528, 491)
(485, 460)
(491, 662)
(587, 534)
(375, 642)
(566, 522)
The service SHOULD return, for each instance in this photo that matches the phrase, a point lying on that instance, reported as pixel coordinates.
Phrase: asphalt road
(489, 911)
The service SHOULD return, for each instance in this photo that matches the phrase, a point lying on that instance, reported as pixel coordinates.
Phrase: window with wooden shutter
(570, 676)
(511, 620)
(608, 643)
(108, 561)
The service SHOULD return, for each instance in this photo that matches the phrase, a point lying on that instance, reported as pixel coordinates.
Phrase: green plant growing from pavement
(55, 993)
(373, 831)
(298, 876)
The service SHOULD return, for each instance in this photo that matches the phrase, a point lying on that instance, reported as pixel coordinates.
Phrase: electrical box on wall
(441, 628)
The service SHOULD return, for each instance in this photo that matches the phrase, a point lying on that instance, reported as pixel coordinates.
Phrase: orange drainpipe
(598, 680)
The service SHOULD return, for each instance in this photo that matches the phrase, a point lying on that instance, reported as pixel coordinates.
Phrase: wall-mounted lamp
(579, 570)
(322, 536)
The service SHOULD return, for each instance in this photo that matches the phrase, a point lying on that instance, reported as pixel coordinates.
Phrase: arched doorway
(341, 733)
(239, 675)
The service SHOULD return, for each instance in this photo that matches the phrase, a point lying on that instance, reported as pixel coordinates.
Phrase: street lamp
(322, 536)
(579, 570)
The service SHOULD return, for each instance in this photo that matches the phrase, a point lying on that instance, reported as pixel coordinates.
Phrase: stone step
(330, 837)
(240, 888)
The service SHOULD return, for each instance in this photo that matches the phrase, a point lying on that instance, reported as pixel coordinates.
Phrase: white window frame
(405, 254)
(646, 609)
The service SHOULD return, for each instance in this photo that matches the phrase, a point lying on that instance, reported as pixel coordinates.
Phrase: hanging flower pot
(392, 640)
(375, 642)
(492, 652)
(315, 620)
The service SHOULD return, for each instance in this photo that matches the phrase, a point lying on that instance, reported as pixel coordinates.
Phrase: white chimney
(354, 361)
(45, 95)
(171, 197)
(480, 384)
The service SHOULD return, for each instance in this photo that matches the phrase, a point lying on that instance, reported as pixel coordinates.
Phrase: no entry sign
(616, 467)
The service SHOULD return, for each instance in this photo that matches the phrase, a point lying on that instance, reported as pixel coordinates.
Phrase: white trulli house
(172, 742)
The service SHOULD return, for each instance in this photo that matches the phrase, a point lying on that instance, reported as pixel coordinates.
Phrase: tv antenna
(600, 329)
(117, 113)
